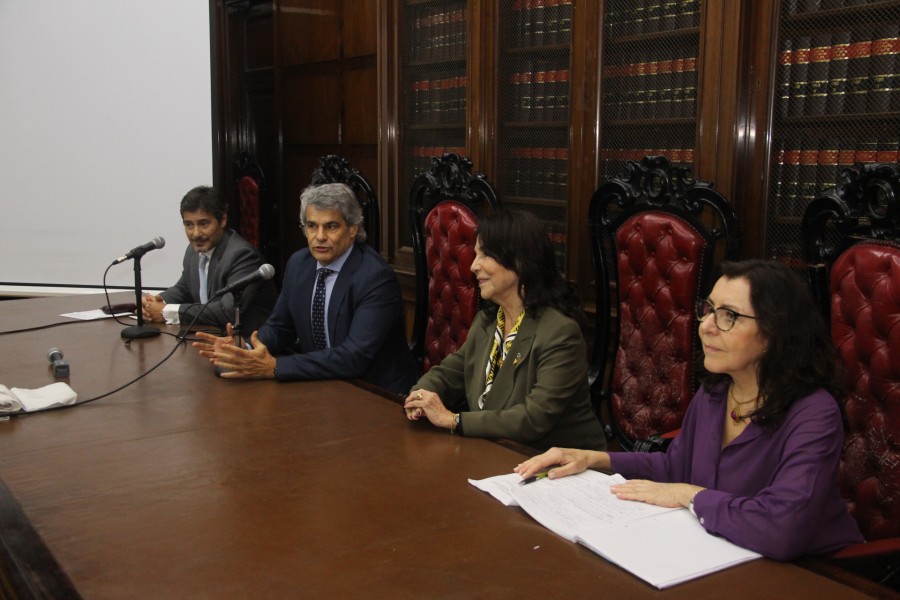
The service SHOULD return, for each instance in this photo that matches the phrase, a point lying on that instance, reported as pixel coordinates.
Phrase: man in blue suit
(215, 258)
(339, 314)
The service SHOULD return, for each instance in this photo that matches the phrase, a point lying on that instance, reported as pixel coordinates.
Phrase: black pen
(537, 476)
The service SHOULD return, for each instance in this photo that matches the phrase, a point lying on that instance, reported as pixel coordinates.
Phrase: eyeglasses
(725, 318)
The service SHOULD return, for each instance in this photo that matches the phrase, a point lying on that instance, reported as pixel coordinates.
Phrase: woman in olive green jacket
(522, 372)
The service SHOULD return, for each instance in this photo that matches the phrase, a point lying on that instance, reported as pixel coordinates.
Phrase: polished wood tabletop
(187, 485)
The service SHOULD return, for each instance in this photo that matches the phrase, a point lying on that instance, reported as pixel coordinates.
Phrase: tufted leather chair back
(334, 169)
(445, 205)
(852, 249)
(250, 180)
(655, 237)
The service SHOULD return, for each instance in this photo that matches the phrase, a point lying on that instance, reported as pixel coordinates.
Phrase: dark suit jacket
(540, 395)
(365, 324)
(232, 259)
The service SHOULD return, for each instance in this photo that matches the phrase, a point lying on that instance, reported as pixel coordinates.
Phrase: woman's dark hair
(799, 358)
(520, 242)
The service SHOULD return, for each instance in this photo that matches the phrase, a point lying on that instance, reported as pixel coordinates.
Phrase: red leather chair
(445, 204)
(250, 184)
(851, 238)
(655, 236)
(334, 169)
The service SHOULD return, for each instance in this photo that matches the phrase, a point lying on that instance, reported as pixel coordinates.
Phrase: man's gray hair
(334, 196)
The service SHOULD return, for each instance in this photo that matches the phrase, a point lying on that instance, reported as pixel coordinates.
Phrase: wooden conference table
(186, 485)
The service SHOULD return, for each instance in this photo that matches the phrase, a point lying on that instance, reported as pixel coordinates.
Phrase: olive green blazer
(540, 395)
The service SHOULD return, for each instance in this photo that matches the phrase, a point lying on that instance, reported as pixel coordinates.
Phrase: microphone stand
(236, 326)
(140, 330)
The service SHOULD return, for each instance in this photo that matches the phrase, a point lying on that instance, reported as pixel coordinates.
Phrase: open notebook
(662, 546)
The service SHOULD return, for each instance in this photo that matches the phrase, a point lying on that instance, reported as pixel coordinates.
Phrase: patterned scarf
(496, 358)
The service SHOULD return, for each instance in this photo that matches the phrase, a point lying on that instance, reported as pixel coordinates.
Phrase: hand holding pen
(537, 476)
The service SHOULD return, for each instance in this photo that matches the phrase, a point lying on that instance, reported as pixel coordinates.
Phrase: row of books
(651, 89)
(613, 159)
(537, 172)
(438, 36)
(539, 95)
(437, 101)
(840, 72)
(634, 17)
(803, 169)
(794, 7)
(540, 22)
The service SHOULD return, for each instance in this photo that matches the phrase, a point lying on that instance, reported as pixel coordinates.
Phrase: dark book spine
(527, 22)
(562, 172)
(687, 158)
(463, 98)
(527, 84)
(562, 95)
(670, 16)
(819, 63)
(799, 77)
(651, 97)
(783, 77)
(689, 106)
(791, 178)
(637, 19)
(557, 234)
(652, 16)
(565, 20)
(677, 87)
(827, 170)
(664, 88)
(551, 22)
(628, 80)
(538, 23)
(882, 68)
(612, 97)
(858, 54)
(518, 23)
(809, 160)
(846, 154)
(837, 73)
(886, 149)
(777, 179)
(539, 96)
(866, 152)
(640, 90)
(459, 33)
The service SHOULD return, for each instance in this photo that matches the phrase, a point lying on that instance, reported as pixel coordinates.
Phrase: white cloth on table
(15, 400)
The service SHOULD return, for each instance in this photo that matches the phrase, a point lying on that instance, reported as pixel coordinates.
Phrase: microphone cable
(180, 338)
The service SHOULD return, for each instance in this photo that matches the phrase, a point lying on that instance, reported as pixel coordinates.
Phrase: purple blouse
(771, 491)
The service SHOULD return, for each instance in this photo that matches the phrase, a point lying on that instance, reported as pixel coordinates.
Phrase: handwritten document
(662, 546)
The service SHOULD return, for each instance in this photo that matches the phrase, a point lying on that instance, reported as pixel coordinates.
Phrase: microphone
(157, 242)
(266, 271)
(60, 367)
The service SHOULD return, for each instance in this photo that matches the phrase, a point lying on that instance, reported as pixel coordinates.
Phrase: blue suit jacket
(232, 258)
(365, 324)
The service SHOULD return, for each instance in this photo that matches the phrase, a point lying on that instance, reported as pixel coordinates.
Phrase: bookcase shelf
(644, 38)
(825, 16)
(837, 103)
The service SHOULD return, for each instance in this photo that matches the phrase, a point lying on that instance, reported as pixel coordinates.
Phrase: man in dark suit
(225, 257)
(340, 311)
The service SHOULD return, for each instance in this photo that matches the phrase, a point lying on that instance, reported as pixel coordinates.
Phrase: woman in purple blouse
(757, 457)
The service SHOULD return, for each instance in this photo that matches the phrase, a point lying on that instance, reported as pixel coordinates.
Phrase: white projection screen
(105, 123)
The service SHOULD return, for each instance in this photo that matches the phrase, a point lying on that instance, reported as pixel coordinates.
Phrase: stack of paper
(662, 546)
